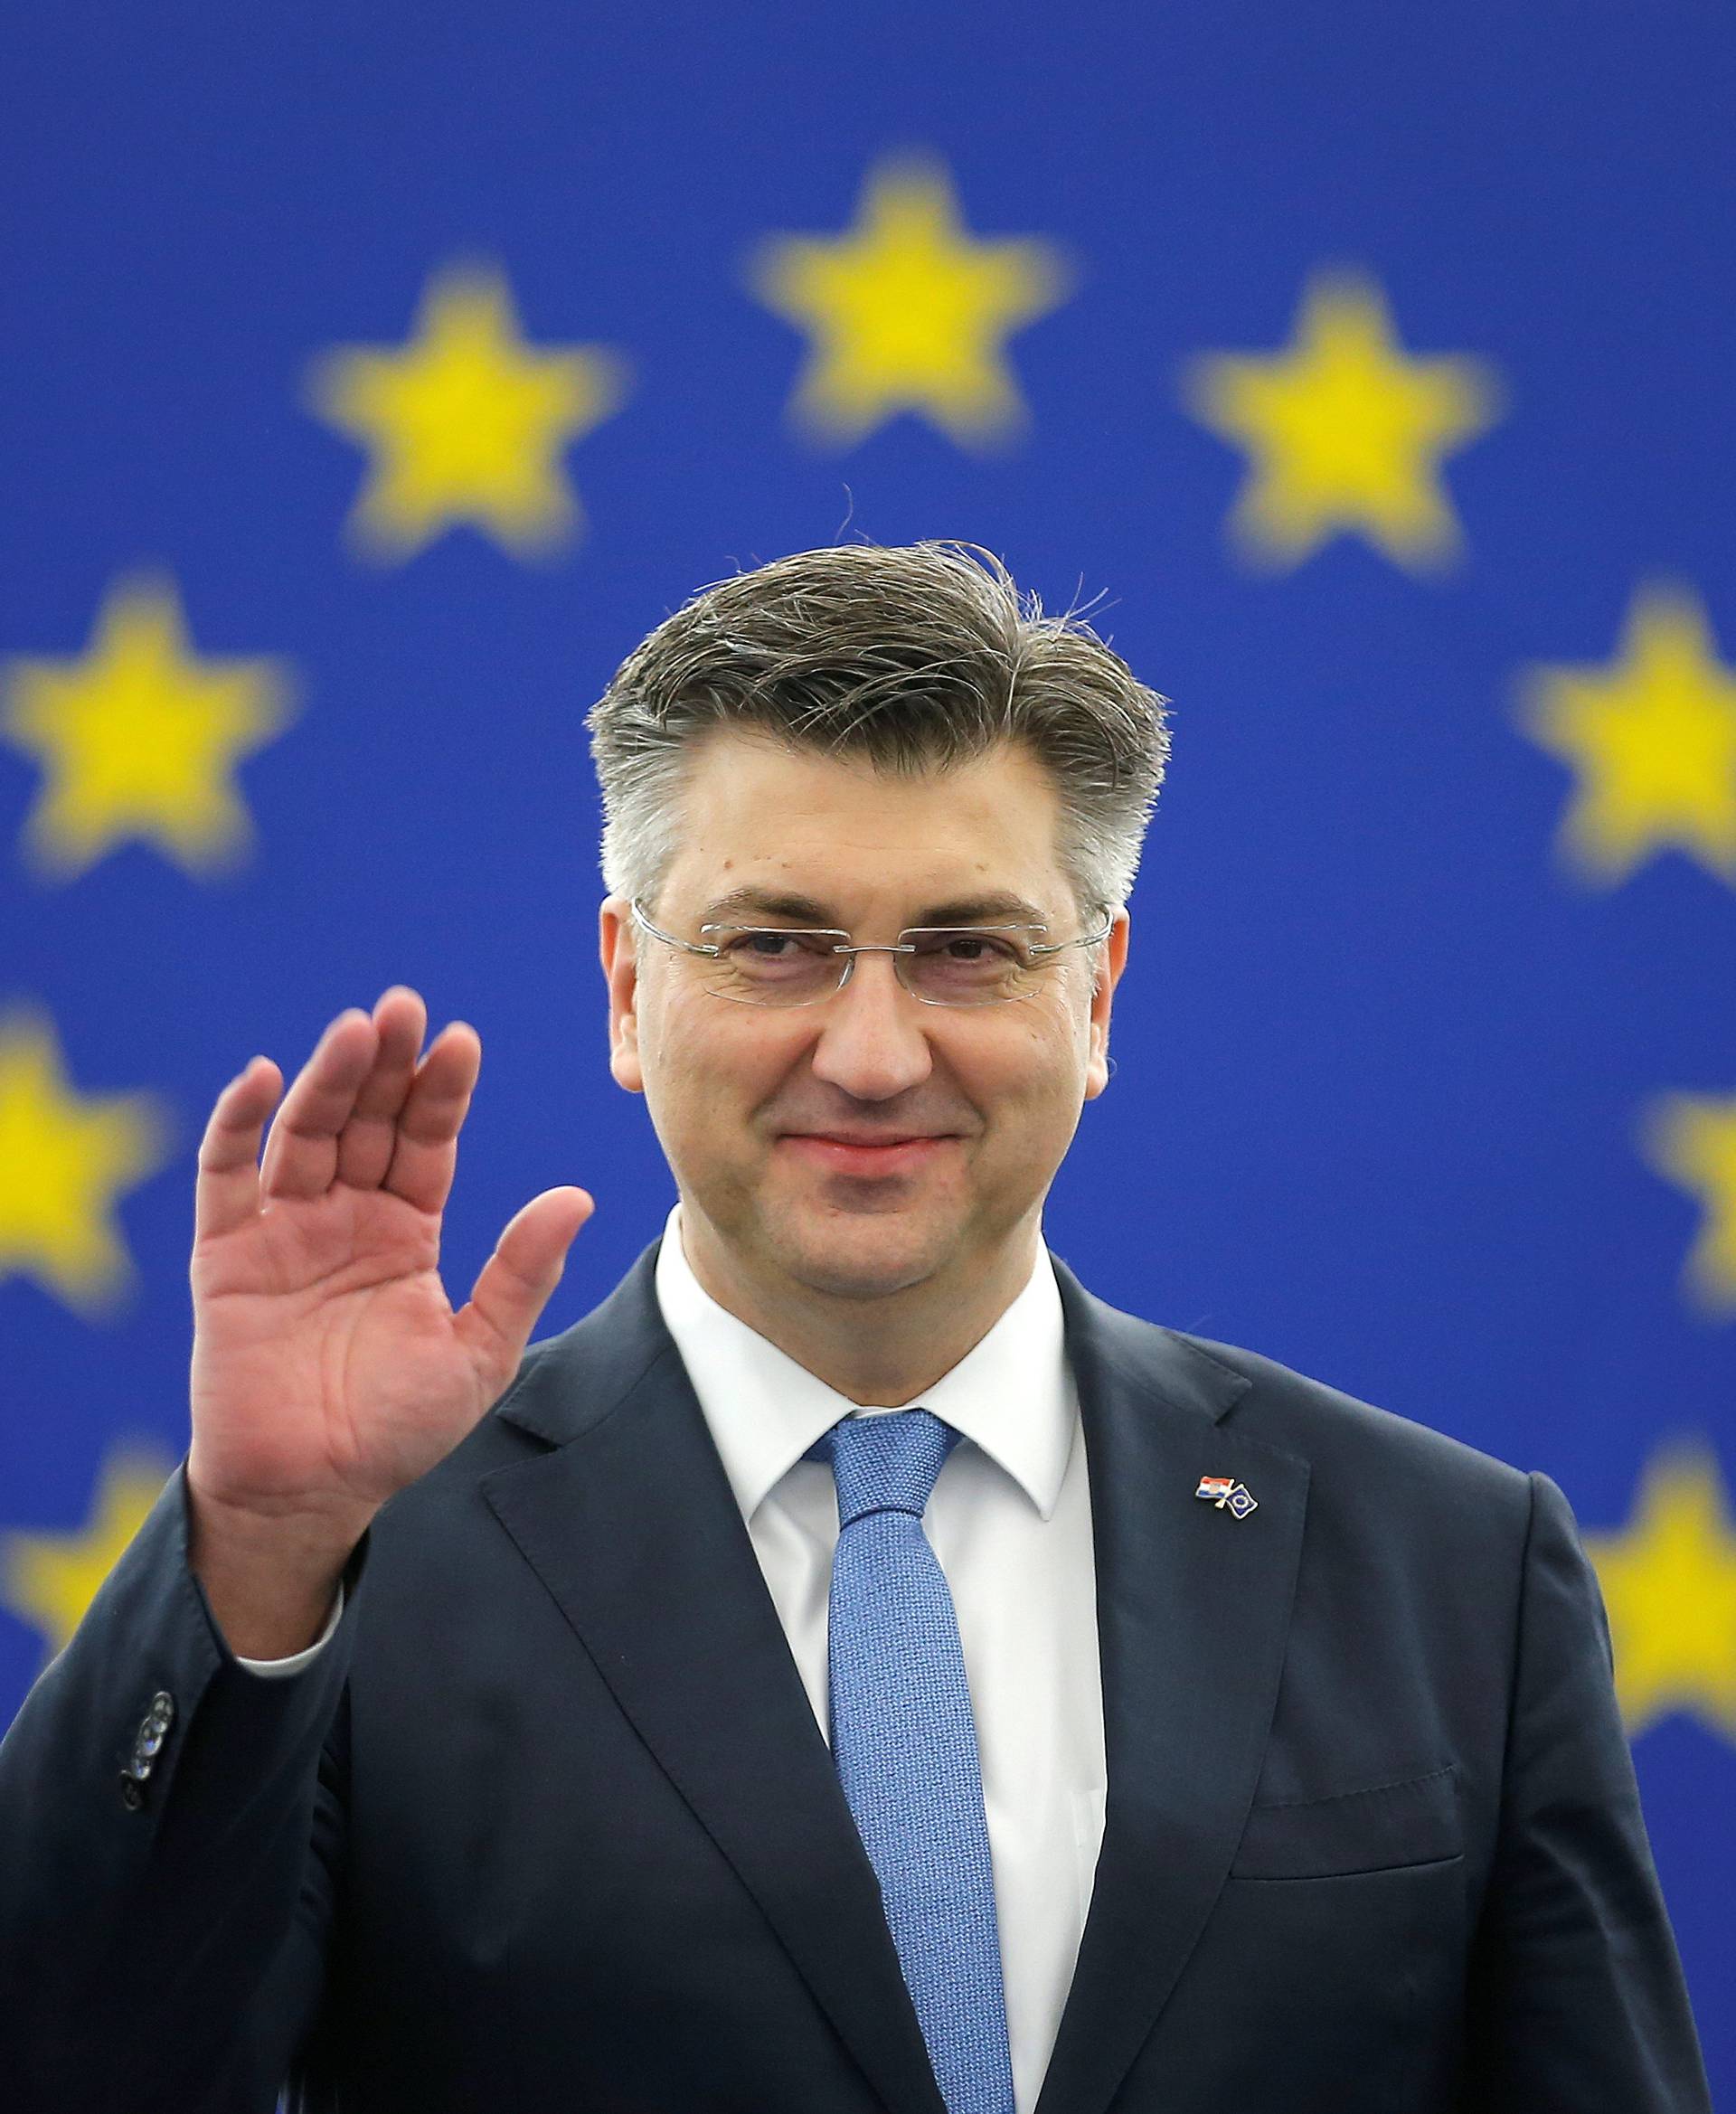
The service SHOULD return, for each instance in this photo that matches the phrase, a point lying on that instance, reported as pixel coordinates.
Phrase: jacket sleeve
(171, 1839)
(1578, 2004)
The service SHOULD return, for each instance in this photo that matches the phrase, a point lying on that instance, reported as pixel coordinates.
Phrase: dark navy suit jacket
(549, 1827)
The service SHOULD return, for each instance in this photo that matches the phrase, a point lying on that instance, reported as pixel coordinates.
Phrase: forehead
(847, 841)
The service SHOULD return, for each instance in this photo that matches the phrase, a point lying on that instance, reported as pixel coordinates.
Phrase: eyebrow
(998, 904)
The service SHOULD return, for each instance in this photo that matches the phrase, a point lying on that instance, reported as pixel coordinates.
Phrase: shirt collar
(1012, 1394)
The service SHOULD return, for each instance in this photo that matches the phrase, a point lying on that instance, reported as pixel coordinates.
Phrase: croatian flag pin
(1228, 1495)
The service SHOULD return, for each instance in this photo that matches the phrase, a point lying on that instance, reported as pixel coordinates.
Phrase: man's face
(737, 1094)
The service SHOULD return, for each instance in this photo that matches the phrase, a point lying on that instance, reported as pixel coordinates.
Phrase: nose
(873, 1042)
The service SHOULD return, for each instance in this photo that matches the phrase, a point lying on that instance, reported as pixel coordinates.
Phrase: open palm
(329, 1369)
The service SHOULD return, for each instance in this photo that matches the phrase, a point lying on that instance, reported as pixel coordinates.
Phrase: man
(854, 1668)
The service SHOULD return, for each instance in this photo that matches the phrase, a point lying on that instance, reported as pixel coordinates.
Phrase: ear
(1112, 955)
(617, 942)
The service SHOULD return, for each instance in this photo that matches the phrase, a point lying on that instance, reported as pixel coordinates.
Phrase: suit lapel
(631, 1525)
(1193, 1607)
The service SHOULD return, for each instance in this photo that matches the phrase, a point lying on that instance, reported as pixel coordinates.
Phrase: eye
(967, 950)
(769, 946)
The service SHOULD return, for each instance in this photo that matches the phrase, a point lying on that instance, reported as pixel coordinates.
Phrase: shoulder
(1370, 1458)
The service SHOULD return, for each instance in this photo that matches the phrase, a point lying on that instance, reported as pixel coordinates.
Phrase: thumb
(515, 1282)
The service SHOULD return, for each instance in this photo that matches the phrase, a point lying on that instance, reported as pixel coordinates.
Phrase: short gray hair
(916, 658)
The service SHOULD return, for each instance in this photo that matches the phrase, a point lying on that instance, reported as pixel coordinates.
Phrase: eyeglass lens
(764, 966)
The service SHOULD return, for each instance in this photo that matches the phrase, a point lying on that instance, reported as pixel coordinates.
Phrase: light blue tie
(905, 1745)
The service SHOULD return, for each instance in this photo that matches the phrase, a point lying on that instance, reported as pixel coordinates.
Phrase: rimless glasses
(941, 965)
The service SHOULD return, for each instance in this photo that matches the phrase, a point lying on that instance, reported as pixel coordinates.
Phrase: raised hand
(329, 1369)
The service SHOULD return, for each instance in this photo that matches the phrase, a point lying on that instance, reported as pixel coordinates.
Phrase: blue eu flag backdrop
(376, 378)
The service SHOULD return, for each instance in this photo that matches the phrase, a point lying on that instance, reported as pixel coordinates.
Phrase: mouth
(897, 1156)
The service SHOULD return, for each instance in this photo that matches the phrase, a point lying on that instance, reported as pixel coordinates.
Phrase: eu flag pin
(1228, 1495)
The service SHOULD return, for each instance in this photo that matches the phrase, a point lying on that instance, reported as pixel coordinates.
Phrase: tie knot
(884, 1464)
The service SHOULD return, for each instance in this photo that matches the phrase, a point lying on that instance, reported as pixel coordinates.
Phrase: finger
(364, 1147)
(301, 1150)
(515, 1282)
(226, 1192)
(426, 1152)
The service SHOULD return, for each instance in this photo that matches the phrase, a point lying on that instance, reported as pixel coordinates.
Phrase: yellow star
(140, 737)
(1653, 740)
(1346, 434)
(50, 1580)
(1690, 1138)
(1669, 1583)
(62, 1164)
(467, 422)
(906, 313)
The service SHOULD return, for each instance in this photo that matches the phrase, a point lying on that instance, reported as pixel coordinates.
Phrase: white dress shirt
(1010, 1523)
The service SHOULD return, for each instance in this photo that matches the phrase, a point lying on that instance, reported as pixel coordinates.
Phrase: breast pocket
(1383, 1828)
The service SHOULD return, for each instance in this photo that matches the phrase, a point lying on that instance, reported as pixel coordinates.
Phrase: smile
(901, 1158)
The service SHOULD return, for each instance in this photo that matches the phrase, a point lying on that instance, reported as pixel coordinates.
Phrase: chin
(860, 1255)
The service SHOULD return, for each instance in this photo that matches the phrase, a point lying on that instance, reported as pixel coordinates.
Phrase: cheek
(1037, 1072)
(709, 1069)
(1052, 1043)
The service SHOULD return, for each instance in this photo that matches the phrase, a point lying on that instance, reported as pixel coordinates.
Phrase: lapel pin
(1228, 1495)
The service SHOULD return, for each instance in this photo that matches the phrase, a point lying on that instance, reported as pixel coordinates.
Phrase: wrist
(269, 1581)
(292, 1530)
